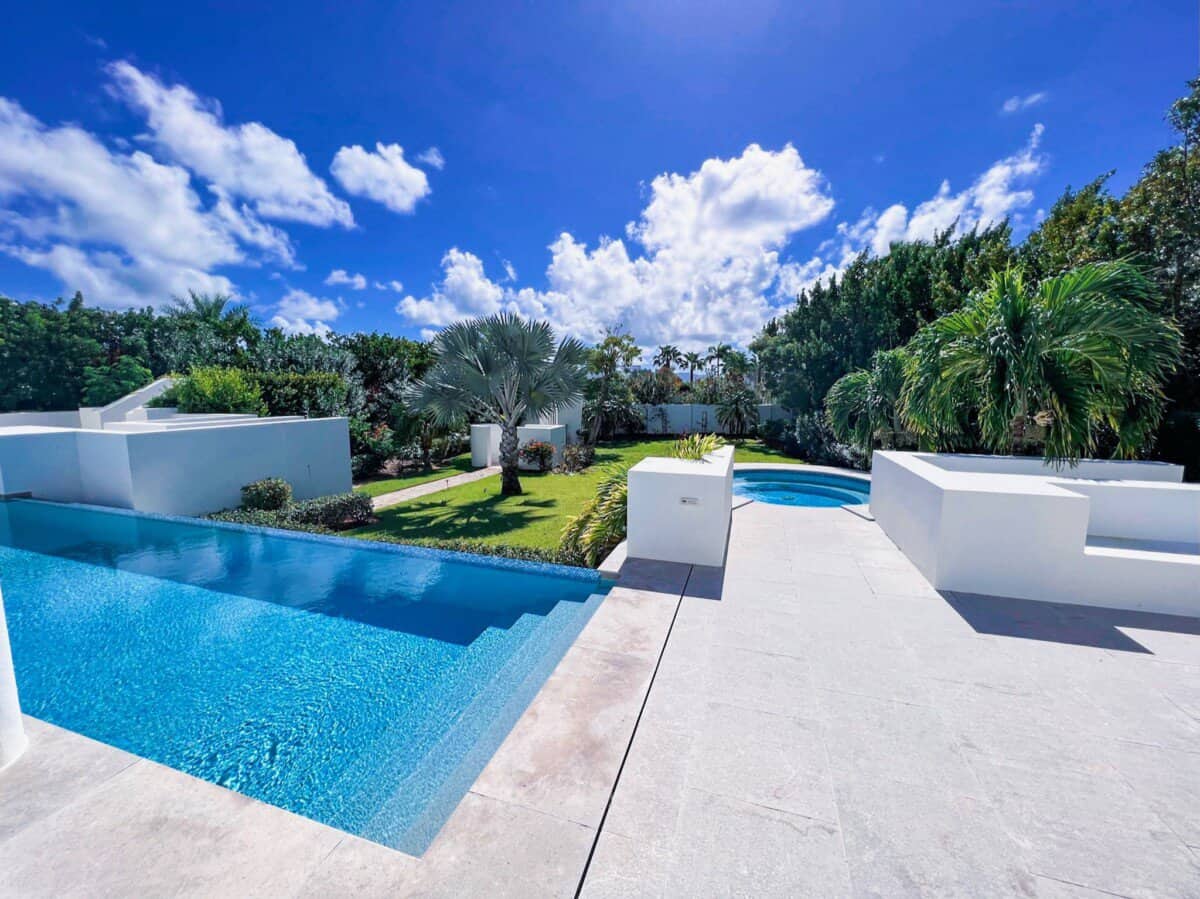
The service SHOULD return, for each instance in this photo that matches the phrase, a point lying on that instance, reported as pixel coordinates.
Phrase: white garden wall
(186, 471)
(680, 510)
(693, 418)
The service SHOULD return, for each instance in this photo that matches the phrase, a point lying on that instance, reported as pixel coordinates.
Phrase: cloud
(1017, 104)
(341, 276)
(1000, 192)
(708, 270)
(394, 286)
(465, 291)
(248, 161)
(384, 176)
(120, 225)
(299, 312)
(432, 158)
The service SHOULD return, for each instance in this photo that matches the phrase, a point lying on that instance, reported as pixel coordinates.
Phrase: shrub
(370, 447)
(341, 510)
(263, 518)
(211, 389)
(108, 383)
(503, 550)
(577, 457)
(539, 453)
(814, 442)
(601, 524)
(317, 394)
(267, 495)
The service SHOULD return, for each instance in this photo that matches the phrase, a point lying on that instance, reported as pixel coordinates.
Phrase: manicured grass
(477, 511)
(449, 468)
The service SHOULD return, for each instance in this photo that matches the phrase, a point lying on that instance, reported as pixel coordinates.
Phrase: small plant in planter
(577, 457)
(539, 454)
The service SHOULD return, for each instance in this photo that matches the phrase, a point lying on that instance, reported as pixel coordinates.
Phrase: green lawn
(452, 466)
(478, 512)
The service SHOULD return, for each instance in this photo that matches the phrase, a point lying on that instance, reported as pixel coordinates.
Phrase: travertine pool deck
(812, 720)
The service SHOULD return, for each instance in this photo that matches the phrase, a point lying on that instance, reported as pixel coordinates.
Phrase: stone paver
(398, 496)
(825, 723)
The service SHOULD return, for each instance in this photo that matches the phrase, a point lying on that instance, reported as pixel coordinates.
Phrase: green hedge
(325, 514)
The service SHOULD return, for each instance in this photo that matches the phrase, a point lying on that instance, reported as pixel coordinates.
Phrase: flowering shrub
(538, 453)
(577, 457)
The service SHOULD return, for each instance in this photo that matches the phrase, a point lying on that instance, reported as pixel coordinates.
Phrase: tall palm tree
(693, 361)
(505, 370)
(1053, 363)
(718, 353)
(668, 356)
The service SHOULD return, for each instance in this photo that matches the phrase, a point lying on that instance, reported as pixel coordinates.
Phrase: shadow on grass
(478, 519)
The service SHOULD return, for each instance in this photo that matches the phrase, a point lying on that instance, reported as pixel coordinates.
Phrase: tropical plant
(737, 409)
(1049, 364)
(609, 396)
(717, 354)
(500, 369)
(668, 356)
(267, 494)
(696, 446)
(694, 362)
(602, 522)
(212, 389)
(863, 407)
(105, 384)
(576, 457)
(538, 453)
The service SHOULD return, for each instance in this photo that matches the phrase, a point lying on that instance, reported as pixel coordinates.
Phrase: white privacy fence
(693, 418)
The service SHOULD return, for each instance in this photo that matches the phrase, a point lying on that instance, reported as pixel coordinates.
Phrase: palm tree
(693, 361)
(503, 369)
(668, 356)
(718, 353)
(1051, 363)
(863, 407)
(737, 410)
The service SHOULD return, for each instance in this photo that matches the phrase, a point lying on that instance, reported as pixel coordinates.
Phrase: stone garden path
(398, 496)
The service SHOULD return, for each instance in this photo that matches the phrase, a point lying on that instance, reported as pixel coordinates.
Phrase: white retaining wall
(182, 471)
(39, 419)
(485, 442)
(680, 510)
(1105, 533)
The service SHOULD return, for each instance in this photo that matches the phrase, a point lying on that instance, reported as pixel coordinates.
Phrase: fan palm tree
(863, 407)
(1053, 363)
(502, 369)
(668, 356)
(693, 361)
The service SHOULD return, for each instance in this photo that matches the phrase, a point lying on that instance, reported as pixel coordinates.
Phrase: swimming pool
(797, 487)
(361, 685)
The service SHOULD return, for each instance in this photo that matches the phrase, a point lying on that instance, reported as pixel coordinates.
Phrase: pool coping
(527, 825)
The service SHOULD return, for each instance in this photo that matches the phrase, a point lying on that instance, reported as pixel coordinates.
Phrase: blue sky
(678, 169)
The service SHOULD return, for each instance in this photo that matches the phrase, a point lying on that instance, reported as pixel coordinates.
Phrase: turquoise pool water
(800, 488)
(363, 686)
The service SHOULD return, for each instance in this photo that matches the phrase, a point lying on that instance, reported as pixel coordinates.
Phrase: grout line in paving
(632, 736)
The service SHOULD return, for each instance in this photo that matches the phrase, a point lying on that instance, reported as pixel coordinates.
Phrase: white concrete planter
(680, 510)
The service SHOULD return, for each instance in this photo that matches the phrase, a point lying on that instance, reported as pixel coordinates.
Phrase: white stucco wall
(692, 418)
(40, 461)
(680, 510)
(555, 435)
(39, 419)
(196, 470)
(485, 445)
(186, 471)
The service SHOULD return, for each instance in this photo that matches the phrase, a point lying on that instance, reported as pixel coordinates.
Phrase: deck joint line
(633, 734)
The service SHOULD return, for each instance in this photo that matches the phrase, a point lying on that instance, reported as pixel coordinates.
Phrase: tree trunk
(510, 483)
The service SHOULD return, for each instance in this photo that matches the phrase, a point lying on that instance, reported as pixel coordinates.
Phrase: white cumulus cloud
(708, 267)
(122, 226)
(299, 312)
(248, 161)
(341, 276)
(394, 286)
(384, 176)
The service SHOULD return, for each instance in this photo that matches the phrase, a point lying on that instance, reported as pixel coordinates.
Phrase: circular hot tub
(797, 487)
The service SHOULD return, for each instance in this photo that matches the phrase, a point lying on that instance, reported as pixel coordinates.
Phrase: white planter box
(680, 510)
